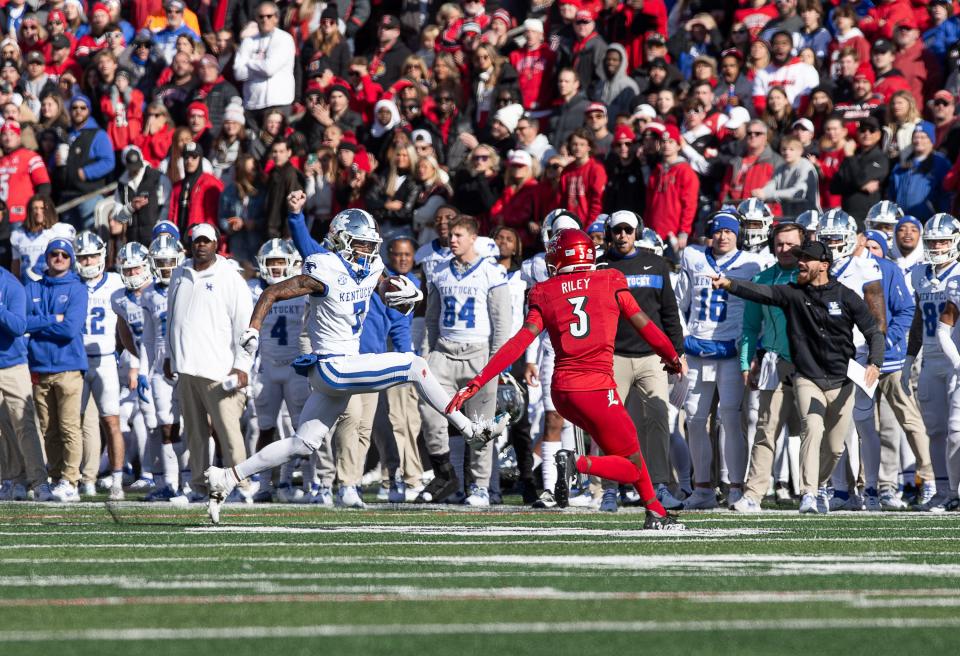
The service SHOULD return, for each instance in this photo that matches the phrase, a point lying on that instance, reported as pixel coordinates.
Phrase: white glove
(250, 340)
(406, 293)
(906, 374)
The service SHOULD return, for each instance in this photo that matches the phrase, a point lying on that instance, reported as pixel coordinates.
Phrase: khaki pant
(20, 422)
(204, 402)
(404, 416)
(907, 412)
(352, 436)
(646, 378)
(778, 408)
(90, 460)
(825, 417)
(57, 397)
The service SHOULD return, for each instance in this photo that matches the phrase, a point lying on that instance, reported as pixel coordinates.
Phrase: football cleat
(444, 484)
(164, 493)
(483, 430)
(703, 498)
(88, 489)
(889, 500)
(479, 497)
(734, 495)
(566, 474)
(823, 501)
(855, 502)
(19, 492)
(398, 492)
(666, 499)
(64, 492)
(286, 493)
(220, 482)
(545, 501)
(411, 493)
(580, 498)
(654, 522)
(142, 485)
(927, 493)
(320, 495)
(608, 502)
(116, 493)
(783, 496)
(42, 492)
(808, 505)
(383, 492)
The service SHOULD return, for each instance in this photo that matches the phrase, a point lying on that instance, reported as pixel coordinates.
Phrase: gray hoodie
(618, 92)
(795, 187)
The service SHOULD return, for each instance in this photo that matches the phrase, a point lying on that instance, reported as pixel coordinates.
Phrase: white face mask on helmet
(941, 228)
(166, 254)
(838, 231)
(276, 261)
(89, 244)
(757, 221)
(348, 230)
(133, 256)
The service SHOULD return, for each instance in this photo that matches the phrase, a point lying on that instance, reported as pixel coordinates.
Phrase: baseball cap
(943, 94)
(882, 45)
(204, 230)
(35, 56)
(623, 133)
(174, 4)
(390, 22)
(584, 15)
(804, 123)
(59, 42)
(656, 38)
(813, 250)
(210, 60)
(865, 72)
(192, 150)
(670, 131)
(519, 158)
(907, 23)
(738, 116)
(623, 217)
(422, 135)
(644, 111)
(870, 123)
(596, 107)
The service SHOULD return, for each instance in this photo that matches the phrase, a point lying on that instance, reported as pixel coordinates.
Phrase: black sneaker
(546, 500)
(566, 471)
(442, 486)
(655, 522)
(528, 491)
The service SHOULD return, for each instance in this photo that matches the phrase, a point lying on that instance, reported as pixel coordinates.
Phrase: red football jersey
(20, 173)
(580, 311)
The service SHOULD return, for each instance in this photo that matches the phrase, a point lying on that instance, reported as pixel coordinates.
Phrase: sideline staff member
(821, 314)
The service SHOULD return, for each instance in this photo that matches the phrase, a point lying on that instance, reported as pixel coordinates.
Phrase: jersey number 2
(97, 315)
(581, 327)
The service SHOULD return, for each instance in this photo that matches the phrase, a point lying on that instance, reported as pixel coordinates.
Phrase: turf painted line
(366, 630)
(485, 530)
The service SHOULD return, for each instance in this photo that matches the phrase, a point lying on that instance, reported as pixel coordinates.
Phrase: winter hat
(362, 160)
(880, 238)
(723, 220)
(330, 12)
(910, 219)
(623, 133)
(61, 245)
(81, 98)
(234, 112)
(509, 116)
(928, 129)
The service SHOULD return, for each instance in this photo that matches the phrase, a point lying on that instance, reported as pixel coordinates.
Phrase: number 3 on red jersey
(581, 327)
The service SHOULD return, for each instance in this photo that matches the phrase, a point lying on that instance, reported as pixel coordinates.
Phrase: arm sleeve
(867, 324)
(915, 336)
(432, 318)
(13, 312)
(498, 302)
(507, 354)
(947, 345)
(300, 235)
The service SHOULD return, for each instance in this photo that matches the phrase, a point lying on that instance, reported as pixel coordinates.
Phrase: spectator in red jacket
(880, 20)
(834, 147)
(519, 205)
(122, 109)
(196, 197)
(157, 134)
(584, 179)
(889, 79)
(918, 65)
(632, 22)
(534, 63)
(750, 171)
(672, 189)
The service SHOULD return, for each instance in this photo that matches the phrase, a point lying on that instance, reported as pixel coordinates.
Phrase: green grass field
(295, 580)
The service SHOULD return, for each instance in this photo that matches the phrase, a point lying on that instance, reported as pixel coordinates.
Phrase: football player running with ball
(580, 306)
(339, 282)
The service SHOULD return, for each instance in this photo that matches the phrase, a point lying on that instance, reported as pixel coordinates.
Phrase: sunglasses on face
(79, 108)
(867, 129)
(756, 134)
(583, 22)
(174, 11)
(941, 103)
(625, 229)
(58, 255)
(555, 166)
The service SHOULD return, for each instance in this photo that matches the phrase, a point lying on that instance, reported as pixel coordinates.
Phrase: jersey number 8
(451, 316)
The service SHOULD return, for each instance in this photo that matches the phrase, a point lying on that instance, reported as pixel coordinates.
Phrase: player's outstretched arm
(505, 356)
(655, 337)
(300, 285)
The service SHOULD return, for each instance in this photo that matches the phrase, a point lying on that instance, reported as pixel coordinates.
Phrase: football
(389, 284)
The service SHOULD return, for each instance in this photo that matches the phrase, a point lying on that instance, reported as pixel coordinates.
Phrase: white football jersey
(464, 314)
(518, 295)
(28, 247)
(334, 320)
(908, 263)
(100, 331)
(280, 332)
(855, 273)
(714, 314)
(429, 256)
(126, 304)
(932, 292)
(535, 269)
(154, 344)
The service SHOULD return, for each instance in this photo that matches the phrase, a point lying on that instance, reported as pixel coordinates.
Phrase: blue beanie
(723, 221)
(81, 98)
(928, 129)
(597, 226)
(880, 238)
(61, 245)
(910, 219)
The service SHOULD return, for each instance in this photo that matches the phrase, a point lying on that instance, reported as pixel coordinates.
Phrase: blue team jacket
(13, 321)
(56, 346)
(900, 309)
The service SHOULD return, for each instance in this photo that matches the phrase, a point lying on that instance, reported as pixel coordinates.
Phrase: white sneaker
(808, 505)
(88, 489)
(608, 502)
(702, 499)
(219, 484)
(582, 500)
(383, 492)
(116, 493)
(855, 502)
(666, 499)
(927, 492)
(823, 501)
(19, 492)
(142, 485)
(734, 494)
(321, 495)
(890, 501)
(104, 484)
(64, 492)
(873, 503)
(349, 497)
(42, 492)
(746, 505)
(412, 492)
(479, 497)
(397, 493)
(287, 493)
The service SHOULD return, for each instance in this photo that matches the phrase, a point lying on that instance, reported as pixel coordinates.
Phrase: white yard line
(504, 628)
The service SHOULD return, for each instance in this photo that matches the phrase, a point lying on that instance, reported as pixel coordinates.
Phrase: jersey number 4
(581, 327)
(279, 331)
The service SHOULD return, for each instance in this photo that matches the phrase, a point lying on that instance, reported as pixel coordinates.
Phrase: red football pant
(601, 414)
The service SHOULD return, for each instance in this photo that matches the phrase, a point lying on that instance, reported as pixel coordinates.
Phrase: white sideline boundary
(504, 628)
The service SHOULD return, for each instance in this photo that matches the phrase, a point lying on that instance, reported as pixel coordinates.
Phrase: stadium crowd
(679, 135)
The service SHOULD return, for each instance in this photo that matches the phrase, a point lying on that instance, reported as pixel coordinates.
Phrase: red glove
(462, 396)
(672, 366)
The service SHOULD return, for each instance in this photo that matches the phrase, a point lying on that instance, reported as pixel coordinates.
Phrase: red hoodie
(516, 208)
(535, 76)
(581, 189)
(672, 193)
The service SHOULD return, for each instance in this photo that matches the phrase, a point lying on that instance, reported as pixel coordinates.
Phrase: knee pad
(418, 369)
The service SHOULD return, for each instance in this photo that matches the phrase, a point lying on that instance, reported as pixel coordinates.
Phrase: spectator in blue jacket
(917, 185)
(944, 29)
(19, 424)
(56, 316)
(881, 452)
(86, 165)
